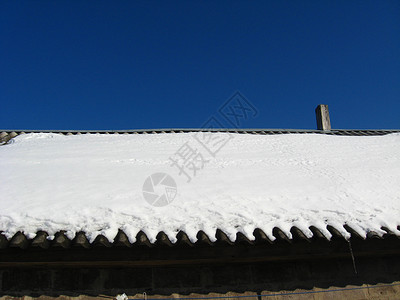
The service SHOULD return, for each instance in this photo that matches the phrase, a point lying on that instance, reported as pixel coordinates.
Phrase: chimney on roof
(323, 120)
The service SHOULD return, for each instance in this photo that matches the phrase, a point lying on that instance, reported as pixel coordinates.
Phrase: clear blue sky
(169, 64)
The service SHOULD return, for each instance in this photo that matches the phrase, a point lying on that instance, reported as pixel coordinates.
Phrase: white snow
(93, 183)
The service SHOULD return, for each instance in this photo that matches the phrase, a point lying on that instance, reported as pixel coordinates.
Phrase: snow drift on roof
(94, 183)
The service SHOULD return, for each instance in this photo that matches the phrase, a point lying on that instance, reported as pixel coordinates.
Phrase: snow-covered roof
(230, 182)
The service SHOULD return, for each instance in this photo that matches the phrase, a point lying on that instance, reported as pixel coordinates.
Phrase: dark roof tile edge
(20, 240)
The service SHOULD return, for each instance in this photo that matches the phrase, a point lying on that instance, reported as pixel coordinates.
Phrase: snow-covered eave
(66, 239)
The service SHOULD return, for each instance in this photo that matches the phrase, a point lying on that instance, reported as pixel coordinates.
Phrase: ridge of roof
(192, 129)
(8, 134)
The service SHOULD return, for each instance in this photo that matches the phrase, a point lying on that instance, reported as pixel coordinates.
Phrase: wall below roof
(258, 278)
(369, 292)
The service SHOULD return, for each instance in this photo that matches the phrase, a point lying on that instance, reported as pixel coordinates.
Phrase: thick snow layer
(93, 183)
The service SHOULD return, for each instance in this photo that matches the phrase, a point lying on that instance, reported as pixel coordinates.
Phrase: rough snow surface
(93, 183)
